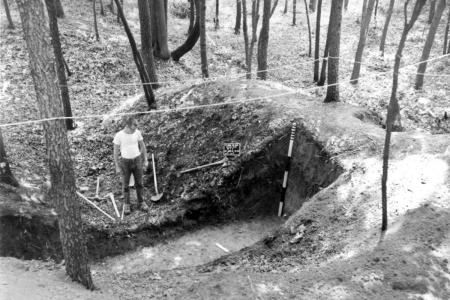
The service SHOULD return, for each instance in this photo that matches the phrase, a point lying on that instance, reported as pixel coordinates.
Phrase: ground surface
(327, 250)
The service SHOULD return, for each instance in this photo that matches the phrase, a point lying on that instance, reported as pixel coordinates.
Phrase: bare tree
(447, 27)
(203, 49)
(309, 28)
(334, 42)
(158, 12)
(429, 43)
(312, 5)
(216, 19)
(148, 91)
(317, 41)
(263, 41)
(237, 26)
(111, 7)
(102, 10)
(255, 20)
(192, 37)
(8, 15)
(294, 11)
(432, 11)
(386, 26)
(59, 9)
(64, 89)
(285, 7)
(6, 175)
(191, 15)
(146, 42)
(63, 189)
(94, 11)
(365, 21)
(246, 42)
(394, 108)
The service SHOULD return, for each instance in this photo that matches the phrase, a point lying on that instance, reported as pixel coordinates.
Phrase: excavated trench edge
(252, 191)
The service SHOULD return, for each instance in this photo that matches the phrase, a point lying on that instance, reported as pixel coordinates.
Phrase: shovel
(158, 195)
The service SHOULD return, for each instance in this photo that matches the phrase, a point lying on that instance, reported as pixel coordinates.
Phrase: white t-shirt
(129, 143)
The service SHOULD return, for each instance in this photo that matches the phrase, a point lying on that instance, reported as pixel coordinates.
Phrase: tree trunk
(447, 27)
(248, 62)
(386, 26)
(255, 20)
(66, 67)
(375, 13)
(334, 46)
(237, 26)
(432, 11)
(97, 37)
(149, 96)
(159, 27)
(309, 28)
(192, 37)
(294, 11)
(6, 175)
(429, 43)
(285, 7)
(203, 49)
(274, 6)
(63, 189)
(393, 108)
(102, 10)
(146, 42)
(59, 9)
(216, 19)
(191, 16)
(54, 31)
(317, 43)
(263, 42)
(111, 7)
(312, 5)
(365, 22)
(346, 5)
(323, 74)
(8, 15)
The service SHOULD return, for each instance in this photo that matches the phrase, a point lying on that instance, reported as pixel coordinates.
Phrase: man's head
(131, 123)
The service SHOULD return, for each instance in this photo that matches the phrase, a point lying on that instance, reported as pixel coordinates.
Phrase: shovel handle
(154, 174)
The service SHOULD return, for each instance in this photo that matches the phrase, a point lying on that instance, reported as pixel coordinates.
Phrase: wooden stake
(94, 205)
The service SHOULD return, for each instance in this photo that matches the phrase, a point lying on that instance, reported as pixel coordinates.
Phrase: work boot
(126, 209)
(143, 206)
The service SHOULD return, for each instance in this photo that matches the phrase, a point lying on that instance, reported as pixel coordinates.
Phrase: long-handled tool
(111, 196)
(222, 162)
(158, 195)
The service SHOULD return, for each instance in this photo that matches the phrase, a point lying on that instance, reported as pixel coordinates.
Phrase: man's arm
(144, 152)
(116, 157)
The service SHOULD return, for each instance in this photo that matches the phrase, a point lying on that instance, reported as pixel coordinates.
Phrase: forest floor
(337, 256)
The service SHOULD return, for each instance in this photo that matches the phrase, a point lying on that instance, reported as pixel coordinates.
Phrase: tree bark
(216, 19)
(63, 189)
(393, 108)
(248, 63)
(323, 74)
(294, 11)
(203, 49)
(447, 27)
(365, 22)
(191, 16)
(146, 42)
(334, 50)
(237, 26)
(159, 26)
(8, 15)
(421, 69)
(432, 11)
(255, 20)
(312, 5)
(59, 9)
(111, 7)
(149, 96)
(97, 37)
(317, 41)
(6, 175)
(54, 31)
(263, 42)
(375, 13)
(309, 28)
(102, 10)
(192, 37)
(386, 26)
(285, 7)
(274, 6)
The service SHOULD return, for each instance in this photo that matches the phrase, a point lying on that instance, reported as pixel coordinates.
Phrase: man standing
(130, 143)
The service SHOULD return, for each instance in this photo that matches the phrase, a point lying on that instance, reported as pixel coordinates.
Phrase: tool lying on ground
(94, 205)
(97, 190)
(111, 196)
(158, 195)
(223, 162)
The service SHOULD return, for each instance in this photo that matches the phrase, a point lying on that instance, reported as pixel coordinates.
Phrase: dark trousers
(132, 166)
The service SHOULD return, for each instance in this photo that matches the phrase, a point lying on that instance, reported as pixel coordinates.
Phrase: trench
(236, 216)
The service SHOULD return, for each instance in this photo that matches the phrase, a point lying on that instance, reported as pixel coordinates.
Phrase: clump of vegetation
(180, 9)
